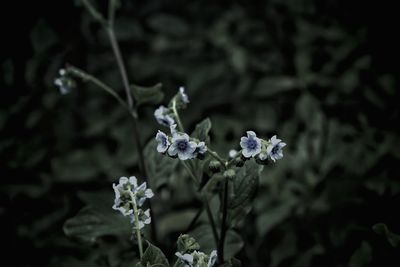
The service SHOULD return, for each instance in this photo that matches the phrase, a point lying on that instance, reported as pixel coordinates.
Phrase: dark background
(323, 75)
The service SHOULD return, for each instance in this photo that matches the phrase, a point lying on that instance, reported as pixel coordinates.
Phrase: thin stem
(111, 12)
(195, 218)
(86, 77)
(217, 157)
(137, 228)
(132, 107)
(220, 248)
(121, 65)
(178, 119)
(190, 171)
(210, 218)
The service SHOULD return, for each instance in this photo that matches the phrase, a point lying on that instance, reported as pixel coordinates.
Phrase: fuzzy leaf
(148, 94)
(382, 229)
(153, 256)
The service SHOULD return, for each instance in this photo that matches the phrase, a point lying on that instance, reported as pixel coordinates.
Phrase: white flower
(187, 259)
(198, 259)
(162, 118)
(183, 95)
(63, 85)
(212, 259)
(182, 147)
(274, 148)
(143, 216)
(127, 191)
(172, 129)
(201, 149)
(251, 145)
(162, 140)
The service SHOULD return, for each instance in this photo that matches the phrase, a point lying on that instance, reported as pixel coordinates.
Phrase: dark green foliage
(316, 73)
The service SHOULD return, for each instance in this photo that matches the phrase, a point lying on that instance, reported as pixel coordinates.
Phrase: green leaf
(203, 235)
(91, 223)
(202, 131)
(362, 256)
(232, 263)
(382, 229)
(148, 94)
(245, 184)
(153, 256)
(97, 219)
(159, 167)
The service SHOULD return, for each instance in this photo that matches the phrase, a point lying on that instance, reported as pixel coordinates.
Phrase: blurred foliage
(309, 71)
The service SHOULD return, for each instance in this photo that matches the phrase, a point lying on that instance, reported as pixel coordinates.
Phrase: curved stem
(121, 66)
(221, 243)
(217, 157)
(178, 119)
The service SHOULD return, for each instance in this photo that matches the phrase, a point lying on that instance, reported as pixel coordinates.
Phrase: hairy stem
(221, 243)
(137, 228)
(178, 119)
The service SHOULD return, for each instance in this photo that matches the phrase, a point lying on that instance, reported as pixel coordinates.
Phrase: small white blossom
(212, 259)
(143, 216)
(200, 149)
(182, 146)
(232, 153)
(187, 259)
(63, 85)
(183, 95)
(162, 118)
(251, 145)
(198, 259)
(127, 191)
(274, 148)
(162, 140)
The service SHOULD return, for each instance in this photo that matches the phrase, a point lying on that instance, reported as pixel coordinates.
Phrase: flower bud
(229, 174)
(187, 243)
(215, 166)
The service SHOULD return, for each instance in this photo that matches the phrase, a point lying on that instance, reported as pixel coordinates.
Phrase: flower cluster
(262, 150)
(165, 115)
(190, 256)
(128, 195)
(198, 259)
(180, 145)
(64, 82)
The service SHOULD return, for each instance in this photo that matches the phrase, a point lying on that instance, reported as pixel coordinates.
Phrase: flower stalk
(137, 227)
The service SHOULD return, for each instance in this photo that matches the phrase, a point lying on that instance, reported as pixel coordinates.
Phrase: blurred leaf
(382, 229)
(274, 85)
(91, 223)
(202, 131)
(168, 24)
(203, 235)
(148, 94)
(159, 167)
(245, 184)
(153, 256)
(362, 256)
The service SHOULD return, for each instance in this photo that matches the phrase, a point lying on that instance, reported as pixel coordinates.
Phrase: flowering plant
(224, 185)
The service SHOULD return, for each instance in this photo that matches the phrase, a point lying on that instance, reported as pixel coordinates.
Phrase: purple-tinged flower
(162, 140)
(212, 259)
(162, 118)
(251, 145)
(201, 149)
(182, 146)
(183, 95)
(274, 148)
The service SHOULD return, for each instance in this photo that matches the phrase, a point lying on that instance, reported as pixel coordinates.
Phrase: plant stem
(195, 218)
(86, 77)
(220, 248)
(217, 157)
(210, 218)
(121, 65)
(138, 234)
(178, 119)
(132, 107)
(190, 172)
